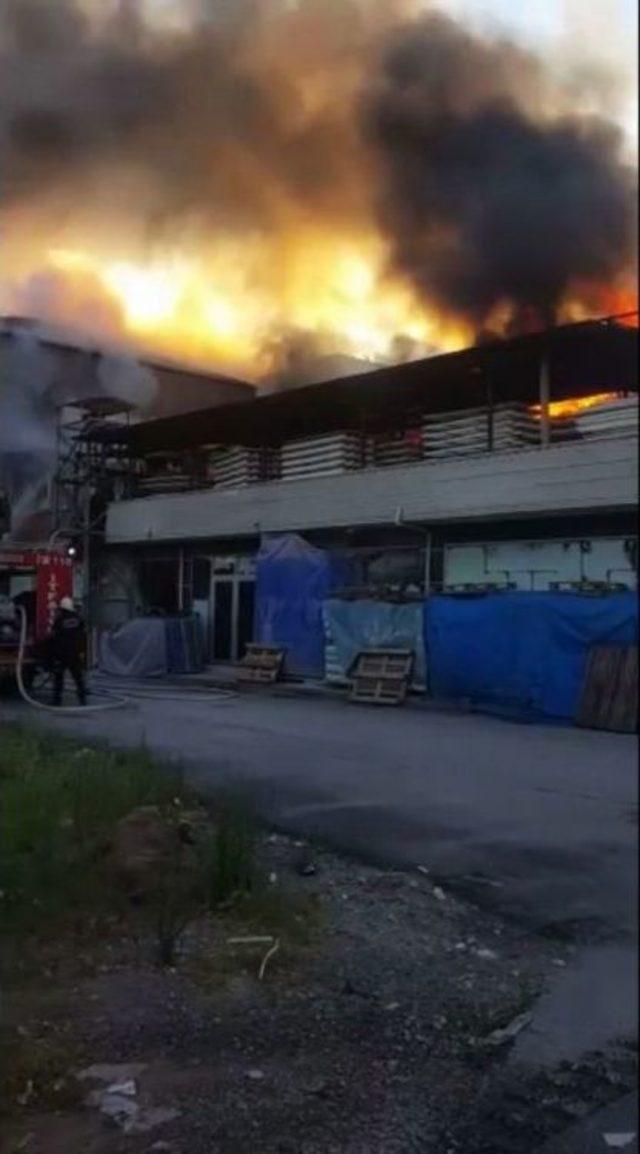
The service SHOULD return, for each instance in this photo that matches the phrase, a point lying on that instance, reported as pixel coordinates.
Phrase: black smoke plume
(484, 201)
(487, 181)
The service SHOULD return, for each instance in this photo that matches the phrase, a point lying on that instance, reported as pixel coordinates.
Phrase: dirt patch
(369, 1033)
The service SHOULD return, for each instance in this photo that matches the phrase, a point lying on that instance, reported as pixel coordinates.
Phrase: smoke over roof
(493, 190)
(484, 198)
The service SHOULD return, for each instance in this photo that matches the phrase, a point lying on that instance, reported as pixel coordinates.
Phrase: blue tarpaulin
(293, 579)
(524, 652)
(366, 624)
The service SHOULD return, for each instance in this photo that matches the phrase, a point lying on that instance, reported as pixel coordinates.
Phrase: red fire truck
(35, 579)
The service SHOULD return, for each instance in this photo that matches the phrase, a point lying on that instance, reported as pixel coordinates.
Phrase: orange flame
(224, 306)
(575, 405)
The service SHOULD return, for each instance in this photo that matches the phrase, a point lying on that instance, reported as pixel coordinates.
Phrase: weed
(232, 862)
(59, 804)
(214, 871)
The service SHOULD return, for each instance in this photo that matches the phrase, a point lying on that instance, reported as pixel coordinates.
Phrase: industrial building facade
(481, 469)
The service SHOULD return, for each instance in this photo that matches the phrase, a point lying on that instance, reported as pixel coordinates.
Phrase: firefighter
(67, 650)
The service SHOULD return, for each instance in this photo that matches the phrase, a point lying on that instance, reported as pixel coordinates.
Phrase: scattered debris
(128, 1114)
(128, 1088)
(269, 954)
(116, 1106)
(150, 1118)
(111, 1072)
(508, 1033)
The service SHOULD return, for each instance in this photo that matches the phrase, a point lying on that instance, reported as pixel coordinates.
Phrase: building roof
(52, 338)
(590, 357)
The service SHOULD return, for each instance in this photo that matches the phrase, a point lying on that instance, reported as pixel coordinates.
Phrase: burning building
(259, 185)
(510, 465)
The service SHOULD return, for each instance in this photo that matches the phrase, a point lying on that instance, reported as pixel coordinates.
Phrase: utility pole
(544, 391)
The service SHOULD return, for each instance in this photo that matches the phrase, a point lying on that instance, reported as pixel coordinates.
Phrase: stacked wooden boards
(231, 468)
(610, 692)
(468, 431)
(394, 448)
(319, 456)
(614, 418)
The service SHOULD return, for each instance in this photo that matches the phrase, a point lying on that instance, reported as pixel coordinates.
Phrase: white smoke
(35, 381)
(26, 376)
(27, 426)
(126, 379)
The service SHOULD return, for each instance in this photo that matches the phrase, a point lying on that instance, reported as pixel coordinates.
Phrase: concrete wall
(599, 476)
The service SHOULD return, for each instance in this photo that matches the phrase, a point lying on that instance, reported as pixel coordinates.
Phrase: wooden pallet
(610, 691)
(261, 664)
(381, 676)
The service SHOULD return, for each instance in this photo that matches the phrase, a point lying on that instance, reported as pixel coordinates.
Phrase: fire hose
(114, 700)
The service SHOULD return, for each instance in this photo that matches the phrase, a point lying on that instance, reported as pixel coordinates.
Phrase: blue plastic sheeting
(357, 625)
(523, 651)
(293, 579)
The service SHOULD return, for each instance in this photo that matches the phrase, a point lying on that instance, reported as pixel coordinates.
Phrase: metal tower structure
(93, 466)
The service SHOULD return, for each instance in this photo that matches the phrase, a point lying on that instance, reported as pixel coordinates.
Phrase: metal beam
(544, 397)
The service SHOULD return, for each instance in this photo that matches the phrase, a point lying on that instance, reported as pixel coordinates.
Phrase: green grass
(233, 849)
(59, 804)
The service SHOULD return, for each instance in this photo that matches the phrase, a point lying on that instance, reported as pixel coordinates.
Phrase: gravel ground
(371, 1037)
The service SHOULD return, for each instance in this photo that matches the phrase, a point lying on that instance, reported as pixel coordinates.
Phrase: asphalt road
(537, 821)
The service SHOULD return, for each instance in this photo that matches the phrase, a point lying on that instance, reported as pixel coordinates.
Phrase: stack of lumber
(394, 448)
(615, 418)
(466, 431)
(234, 467)
(164, 483)
(319, 456)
